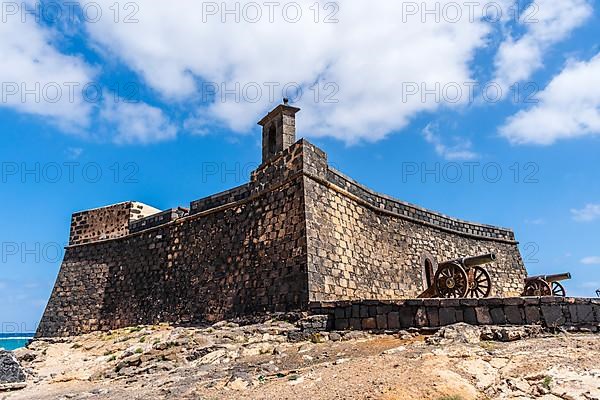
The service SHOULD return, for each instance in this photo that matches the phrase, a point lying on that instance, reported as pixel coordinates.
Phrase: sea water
(13, 341)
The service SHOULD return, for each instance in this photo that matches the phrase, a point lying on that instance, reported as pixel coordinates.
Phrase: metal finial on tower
(286, 101)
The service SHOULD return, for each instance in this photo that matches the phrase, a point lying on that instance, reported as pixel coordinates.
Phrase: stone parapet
(220, 199)
(417, 214)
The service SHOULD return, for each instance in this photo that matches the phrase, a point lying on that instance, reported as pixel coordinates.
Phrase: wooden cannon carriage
(464, 277)
(546, 285)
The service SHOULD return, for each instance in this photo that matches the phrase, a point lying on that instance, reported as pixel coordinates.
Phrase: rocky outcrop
(280, 359)
(11, 374)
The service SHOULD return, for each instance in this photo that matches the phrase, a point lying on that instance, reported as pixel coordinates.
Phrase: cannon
(545, 285)
(463, 277)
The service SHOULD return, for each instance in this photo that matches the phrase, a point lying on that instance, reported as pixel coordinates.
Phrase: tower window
(272, 141)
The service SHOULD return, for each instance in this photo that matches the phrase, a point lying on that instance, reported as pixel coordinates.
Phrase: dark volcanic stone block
(597, 312)
(407, 317)
(393, 320)
(532, 301)
(553, 315)
(459, 314)
(469, 315)
(450, 303)
(513, 301)
(469, 302)
(447, 316)
(498, 316)
(355, 323)
(433, 316)
(341, 324)
(431, 302)
(585, 313)
(369, 323)
(382, 321)
(513, 315)
(364, 311)
(483, 316)
(532, 315)
(492, 301)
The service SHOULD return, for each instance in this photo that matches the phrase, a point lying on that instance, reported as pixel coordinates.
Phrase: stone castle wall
(243, 257)
(297, 232)
(364, 245)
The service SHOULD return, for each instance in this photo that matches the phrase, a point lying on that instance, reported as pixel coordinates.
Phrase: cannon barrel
(469, 262)
(551, 278)
(479, 260)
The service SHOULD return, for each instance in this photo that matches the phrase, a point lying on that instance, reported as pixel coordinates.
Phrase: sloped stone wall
(244, 257)
(362, 245)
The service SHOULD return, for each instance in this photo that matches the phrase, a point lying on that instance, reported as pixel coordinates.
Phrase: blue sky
(377, 95)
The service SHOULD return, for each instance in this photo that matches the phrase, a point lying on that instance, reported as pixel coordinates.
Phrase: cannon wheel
(558, 290)
(537, 287)
(451, 281)
(480, 283)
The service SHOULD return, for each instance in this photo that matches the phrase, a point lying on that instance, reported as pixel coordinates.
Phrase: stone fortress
(297, 236)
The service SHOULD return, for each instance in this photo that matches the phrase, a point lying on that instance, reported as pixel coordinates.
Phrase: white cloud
(460, 150)
(593, 260)
(368, 55)
(568, 107)
(546, 22)
(136, 123)
(38, 79)
(589, 213)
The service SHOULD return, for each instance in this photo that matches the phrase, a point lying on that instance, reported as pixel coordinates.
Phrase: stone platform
(551, 312)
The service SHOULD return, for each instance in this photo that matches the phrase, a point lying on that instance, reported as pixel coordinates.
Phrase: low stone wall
(551, 312)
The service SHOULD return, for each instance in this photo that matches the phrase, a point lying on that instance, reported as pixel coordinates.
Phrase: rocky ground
(274, 360)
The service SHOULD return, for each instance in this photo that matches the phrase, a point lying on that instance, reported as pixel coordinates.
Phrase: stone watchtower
(278, 130)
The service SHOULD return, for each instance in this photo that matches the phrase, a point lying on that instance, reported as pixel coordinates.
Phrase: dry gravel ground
(260, 362)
